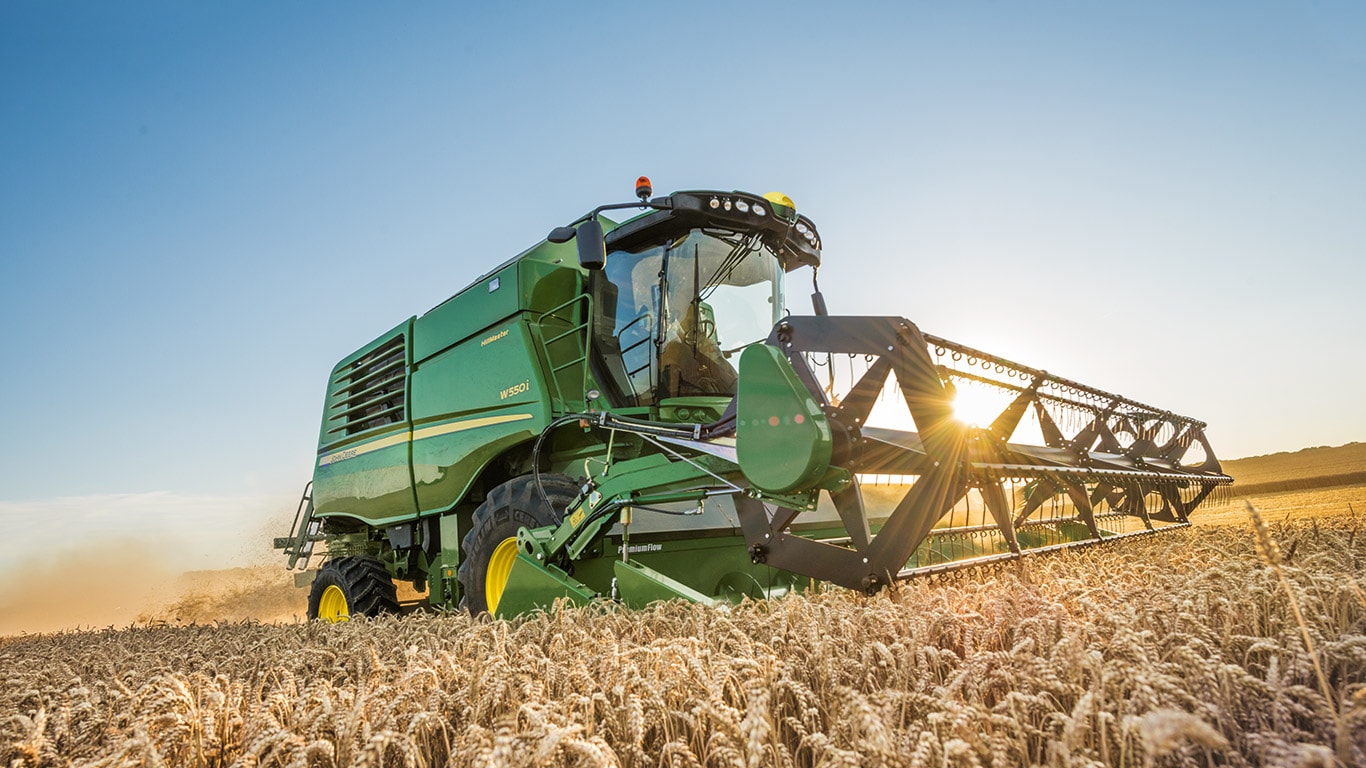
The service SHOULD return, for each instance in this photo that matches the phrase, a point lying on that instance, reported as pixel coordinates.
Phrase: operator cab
(686, 287)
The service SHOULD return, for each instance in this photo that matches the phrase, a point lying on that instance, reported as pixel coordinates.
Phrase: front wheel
(490, 548)
(351, 586)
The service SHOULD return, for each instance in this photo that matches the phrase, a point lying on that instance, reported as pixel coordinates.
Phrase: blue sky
(204, 205)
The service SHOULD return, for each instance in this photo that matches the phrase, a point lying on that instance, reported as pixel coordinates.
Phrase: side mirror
(561, 234)
(592, 248)
(818, 304)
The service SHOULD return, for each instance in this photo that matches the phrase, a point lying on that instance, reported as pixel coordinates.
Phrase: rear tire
(509, 507)
(351, 586)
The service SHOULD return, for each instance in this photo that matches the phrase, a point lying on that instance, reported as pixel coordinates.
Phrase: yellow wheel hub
(500, 565)
(332, 607)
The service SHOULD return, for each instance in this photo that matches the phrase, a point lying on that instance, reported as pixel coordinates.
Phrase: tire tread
(515, 502)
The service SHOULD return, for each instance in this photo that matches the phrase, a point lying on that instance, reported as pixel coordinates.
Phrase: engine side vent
(369, 392)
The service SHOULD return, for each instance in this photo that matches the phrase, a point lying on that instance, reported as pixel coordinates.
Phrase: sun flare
(977, 406)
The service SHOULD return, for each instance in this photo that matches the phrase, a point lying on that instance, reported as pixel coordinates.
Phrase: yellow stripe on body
(461, 426)
(425, 432)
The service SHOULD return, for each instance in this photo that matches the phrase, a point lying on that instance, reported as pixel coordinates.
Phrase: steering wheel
(706, 329)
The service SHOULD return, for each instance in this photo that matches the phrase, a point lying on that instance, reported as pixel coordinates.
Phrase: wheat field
(1304, 464)
(1181, 649)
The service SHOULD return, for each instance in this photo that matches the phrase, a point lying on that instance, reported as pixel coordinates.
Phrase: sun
(978, 406)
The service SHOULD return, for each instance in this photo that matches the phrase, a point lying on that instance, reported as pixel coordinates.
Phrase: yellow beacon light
(782, 205)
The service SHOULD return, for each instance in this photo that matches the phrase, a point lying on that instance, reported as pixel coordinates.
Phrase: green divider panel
(641, 585)
(532, 585)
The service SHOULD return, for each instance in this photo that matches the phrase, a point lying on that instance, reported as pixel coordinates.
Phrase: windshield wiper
(728, 352)
(748, 244)
(663, 289)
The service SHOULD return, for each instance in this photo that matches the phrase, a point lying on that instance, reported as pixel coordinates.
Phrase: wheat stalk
(1155, 652)
(1271, 553)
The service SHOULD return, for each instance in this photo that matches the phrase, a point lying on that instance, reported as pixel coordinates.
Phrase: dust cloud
(123, 583)
(261, 593)
(206, 561)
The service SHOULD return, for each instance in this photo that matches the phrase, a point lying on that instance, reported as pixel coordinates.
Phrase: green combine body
(629, 412)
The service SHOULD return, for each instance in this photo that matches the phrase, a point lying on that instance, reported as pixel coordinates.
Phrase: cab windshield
(672, 317)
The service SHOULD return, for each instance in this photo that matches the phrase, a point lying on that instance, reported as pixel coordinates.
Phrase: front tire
(351, 586)
(490, 548)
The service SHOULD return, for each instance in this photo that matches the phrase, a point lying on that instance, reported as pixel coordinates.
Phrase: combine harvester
(635, 416)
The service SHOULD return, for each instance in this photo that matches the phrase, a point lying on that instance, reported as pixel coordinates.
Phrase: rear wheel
(351, 586)
(490, 548)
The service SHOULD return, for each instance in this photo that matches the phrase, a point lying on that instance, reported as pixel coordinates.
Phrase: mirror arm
(658, 203)
(591, 253)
